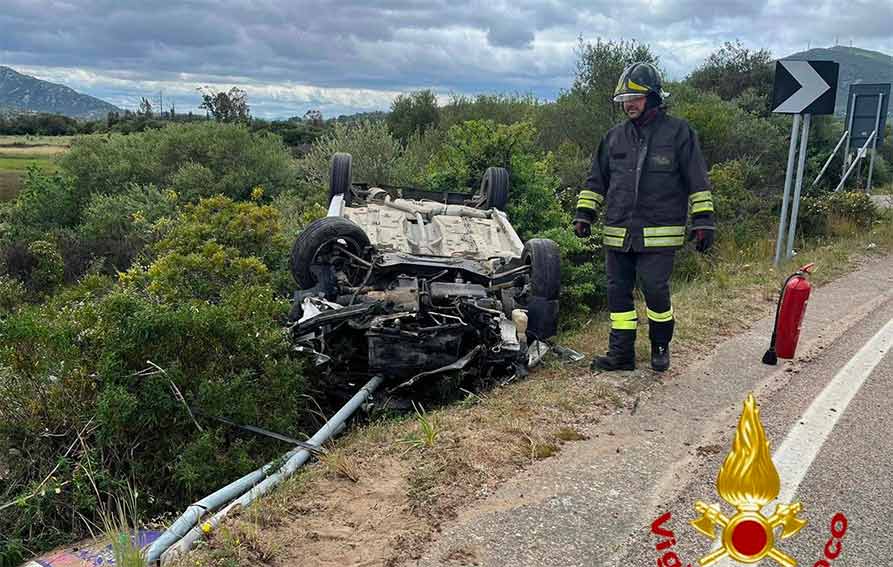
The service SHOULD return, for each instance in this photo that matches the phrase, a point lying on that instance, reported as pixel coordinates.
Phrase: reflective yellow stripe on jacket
(613, 236)
(701, 202)
(656, 236)
(589, 199)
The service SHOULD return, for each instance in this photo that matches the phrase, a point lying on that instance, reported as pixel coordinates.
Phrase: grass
(427, 432)
(10, 184)
(21, 163)
(35, 141)
(17, 153)
(471, 447)
(119, 526)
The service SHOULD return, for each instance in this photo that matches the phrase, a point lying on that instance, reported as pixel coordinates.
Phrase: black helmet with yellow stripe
(639, 79)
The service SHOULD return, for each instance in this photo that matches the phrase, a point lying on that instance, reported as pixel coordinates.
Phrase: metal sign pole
(849, 128)
(789, 174)
(877, 124)
(795, 206)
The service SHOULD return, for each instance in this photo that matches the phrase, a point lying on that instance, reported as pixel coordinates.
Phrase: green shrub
(500, 108)
(471, 147)
(817, 214)
(213, 244)
(81, 367)
(727, 132)
(375, 152)
(45, 203)
(411, 168)
(413, 112)
(12, 294)
(250, 228)
(193, 181)
(295, 212)
(742, 214)
(201, 158)
(533, 203)
(583, 279)
(117, 227)
(48, 270)
(534, 209)
(572, 167)
(201, 274)
(127, 214)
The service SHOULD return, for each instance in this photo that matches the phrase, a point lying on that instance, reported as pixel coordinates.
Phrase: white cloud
(353, 55)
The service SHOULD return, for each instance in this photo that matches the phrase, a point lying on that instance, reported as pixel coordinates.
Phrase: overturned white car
(412, 284)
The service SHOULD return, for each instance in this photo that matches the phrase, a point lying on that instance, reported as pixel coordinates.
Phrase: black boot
(621, 353)
(613, 361)
(660, 356)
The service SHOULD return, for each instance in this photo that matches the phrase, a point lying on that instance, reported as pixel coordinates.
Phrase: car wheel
(495, 188)
(340, 180)
(544, 259)
(334, 241)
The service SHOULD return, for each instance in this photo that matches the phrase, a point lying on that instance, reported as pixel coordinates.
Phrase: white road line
(805, 439)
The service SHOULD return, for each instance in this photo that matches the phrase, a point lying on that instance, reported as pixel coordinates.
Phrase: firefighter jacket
(649, 178)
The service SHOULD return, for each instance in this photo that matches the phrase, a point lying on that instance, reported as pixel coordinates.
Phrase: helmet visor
(623, 97)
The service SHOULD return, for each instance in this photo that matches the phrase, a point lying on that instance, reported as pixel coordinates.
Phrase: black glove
(703, 238)
(582, 228)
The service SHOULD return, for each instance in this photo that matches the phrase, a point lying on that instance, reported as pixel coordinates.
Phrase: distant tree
(413, 112)
(145, 107)
(231, 106)
(600, 64)
(500, 108)
(733, 70)
(583, 114)
(314, 117)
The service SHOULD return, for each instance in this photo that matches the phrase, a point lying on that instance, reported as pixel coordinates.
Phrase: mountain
(23, 93)
(856, 66)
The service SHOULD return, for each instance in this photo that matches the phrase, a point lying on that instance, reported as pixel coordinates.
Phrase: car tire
(340, 177)
(495, 188)
(319, 234)
(544, 258)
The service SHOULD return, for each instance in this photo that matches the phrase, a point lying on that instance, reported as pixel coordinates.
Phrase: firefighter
(649, 174)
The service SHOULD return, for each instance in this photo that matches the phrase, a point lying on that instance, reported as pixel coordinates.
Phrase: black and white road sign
(804, 87)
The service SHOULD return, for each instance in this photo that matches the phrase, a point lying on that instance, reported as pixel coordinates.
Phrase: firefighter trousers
(652, 270)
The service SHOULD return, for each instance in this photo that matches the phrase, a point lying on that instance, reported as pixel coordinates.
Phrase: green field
(17, 153)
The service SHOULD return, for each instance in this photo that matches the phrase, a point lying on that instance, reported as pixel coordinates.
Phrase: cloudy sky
(348, 55)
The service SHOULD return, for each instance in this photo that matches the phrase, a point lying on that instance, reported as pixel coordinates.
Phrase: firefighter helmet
(637, 80)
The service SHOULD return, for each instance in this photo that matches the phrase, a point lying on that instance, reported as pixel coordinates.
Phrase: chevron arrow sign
(805, 87)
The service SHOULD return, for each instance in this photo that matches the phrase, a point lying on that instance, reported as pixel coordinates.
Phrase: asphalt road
(594, 504)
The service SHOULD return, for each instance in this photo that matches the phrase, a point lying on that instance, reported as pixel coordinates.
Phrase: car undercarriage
(413, 285)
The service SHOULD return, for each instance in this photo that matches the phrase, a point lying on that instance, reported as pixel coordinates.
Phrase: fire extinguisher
(789, 316)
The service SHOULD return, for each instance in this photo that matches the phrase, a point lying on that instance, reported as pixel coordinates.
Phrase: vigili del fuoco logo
(748, 481)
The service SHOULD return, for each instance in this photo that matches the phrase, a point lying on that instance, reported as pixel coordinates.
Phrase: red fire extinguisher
(789, 316)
